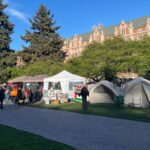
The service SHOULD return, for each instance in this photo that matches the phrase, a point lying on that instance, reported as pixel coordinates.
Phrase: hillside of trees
(44, 56)
(44, 42)
(98, 61)
(114, 55)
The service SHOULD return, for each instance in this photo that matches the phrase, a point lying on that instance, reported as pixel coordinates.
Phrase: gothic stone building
(131, 30)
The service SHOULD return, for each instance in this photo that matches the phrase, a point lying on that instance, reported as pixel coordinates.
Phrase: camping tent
(104, 92)
(90, 86)
(137, 93)
(66, 80)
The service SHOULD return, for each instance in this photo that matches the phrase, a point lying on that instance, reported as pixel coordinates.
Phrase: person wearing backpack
(84, 93)
(14, 95)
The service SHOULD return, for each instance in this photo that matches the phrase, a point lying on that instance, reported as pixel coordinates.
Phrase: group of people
(31, 94)
(15, 93)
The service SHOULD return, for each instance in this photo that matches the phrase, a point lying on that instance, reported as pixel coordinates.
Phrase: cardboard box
(56, 101)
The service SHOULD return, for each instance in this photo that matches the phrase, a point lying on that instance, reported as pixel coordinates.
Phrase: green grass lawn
(109, 110)
(13, 139)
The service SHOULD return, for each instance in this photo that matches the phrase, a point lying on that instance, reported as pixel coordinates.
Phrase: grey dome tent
(104, 92)
(137, 93)
(90, 87)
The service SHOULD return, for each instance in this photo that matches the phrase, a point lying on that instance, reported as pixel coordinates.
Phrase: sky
(74, 16)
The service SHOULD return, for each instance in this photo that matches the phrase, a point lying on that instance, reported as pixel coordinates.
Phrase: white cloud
(11, 10)
(6, 1)
(17, 14)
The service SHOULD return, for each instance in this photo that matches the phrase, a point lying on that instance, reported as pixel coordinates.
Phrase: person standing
(7, 93)
(14, 95)
(30, 95)
(84, 93)
(33, 93)
(26, 93)
(20, 95)
(2, 96)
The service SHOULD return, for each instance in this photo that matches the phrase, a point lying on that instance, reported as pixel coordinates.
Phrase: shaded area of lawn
(11, 138)
(109, 110)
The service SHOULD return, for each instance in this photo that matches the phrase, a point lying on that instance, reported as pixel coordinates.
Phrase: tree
(6, 29)
(6, 54)
(108, 72)
(4, 75)
(44, 40)
(103, 60)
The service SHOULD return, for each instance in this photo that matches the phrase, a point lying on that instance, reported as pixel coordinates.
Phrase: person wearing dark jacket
(2, 96)
(84, 93)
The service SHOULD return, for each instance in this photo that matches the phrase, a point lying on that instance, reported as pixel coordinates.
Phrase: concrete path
(84, 132)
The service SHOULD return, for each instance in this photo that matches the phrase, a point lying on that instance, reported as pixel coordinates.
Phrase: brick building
(130, 30)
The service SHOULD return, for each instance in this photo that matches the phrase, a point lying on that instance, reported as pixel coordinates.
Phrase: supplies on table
(77, 91)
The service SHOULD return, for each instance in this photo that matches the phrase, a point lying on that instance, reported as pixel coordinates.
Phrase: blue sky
(74, 16)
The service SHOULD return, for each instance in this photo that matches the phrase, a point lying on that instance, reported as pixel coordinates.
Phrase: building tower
(20, 62)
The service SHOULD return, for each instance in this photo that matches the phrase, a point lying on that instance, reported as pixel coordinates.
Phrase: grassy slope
(14, 139)
(109, 110)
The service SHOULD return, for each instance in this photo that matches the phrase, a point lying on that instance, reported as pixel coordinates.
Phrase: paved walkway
(84, 132)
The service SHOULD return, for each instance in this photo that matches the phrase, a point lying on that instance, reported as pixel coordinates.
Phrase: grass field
(109, 110)
(13, 139)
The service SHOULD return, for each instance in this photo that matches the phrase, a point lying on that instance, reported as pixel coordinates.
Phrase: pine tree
(43, 39)
(6, 29)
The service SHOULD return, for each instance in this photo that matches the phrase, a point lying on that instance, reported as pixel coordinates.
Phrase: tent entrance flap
(104, 90)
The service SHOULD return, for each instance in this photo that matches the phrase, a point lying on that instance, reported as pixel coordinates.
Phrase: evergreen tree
(6, 29)
(43, 39)
(6, 54)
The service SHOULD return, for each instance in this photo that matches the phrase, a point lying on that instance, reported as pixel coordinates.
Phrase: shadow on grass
(108, 110)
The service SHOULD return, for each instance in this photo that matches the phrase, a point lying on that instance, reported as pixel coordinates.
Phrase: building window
(123, 32)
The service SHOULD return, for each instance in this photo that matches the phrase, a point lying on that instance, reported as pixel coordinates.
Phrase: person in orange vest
(14, 95)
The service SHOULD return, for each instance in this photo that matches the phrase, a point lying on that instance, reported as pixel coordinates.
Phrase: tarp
(104, 92)
(137, 93)
(29, 79)
(126, 75)
(64, 78)
(19, 79)
(38, 78)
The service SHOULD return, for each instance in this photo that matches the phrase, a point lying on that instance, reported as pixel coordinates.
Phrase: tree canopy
(104, 60)
(6, 53)
(43, 39)
(43, 55)
(6, 29)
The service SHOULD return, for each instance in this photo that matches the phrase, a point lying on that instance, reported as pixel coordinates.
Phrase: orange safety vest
(14, 92)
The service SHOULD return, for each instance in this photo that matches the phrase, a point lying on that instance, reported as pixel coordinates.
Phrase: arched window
(123, 32)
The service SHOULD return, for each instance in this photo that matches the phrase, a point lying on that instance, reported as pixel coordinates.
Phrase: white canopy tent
(137, 93)
(65, 78)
